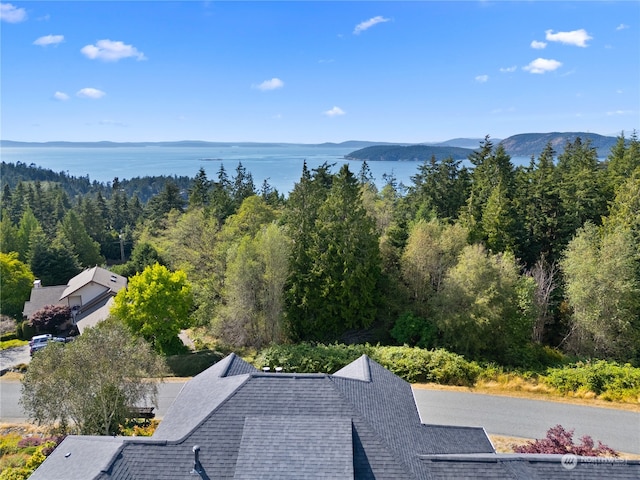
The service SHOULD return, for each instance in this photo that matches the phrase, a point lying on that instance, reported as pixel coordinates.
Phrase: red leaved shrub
(560, 441)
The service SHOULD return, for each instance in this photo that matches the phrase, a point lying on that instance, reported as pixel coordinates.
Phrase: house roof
(98, 275)
(89, 317)
(41, 296)
(361, 422)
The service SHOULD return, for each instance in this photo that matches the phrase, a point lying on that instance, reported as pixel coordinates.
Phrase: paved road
(14, 356)
(519, 417)
(497, 414)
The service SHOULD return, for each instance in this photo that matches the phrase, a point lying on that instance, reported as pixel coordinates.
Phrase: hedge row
(411, 363)
(609, 380)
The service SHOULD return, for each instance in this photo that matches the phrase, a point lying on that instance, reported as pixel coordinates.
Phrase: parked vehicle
(38, 342)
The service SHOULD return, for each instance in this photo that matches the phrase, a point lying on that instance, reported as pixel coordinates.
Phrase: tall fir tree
(345, 263)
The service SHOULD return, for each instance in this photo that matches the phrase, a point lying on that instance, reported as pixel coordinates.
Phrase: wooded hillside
(494, 262)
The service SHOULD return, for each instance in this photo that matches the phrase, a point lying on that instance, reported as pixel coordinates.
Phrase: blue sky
(311, 72)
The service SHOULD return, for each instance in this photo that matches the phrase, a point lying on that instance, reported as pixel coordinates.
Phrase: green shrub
(28, 331)
(412, 330)
(8, 336)
(309, 358)
(9, 443)
(4, 344)
(411, 363)
(420, 365)
(609, 379)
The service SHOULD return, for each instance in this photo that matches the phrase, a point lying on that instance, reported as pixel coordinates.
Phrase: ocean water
(281, 166)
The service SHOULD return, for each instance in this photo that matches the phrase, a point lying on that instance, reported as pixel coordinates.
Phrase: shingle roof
(41, 296)
(76, 456)
(101, 276)
(202, 395)
(97, 313)
(529, 467)
(283, 447)
(359, 423)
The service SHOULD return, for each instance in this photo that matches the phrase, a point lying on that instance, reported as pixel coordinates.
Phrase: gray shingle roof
(41, 296)
(528, 467)
(202, 395)
(97, 275)
(283, 447)
(79, 457)
(359, 423)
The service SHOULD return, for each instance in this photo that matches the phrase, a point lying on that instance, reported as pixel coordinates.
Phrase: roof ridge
(359, 369)
(361, 418)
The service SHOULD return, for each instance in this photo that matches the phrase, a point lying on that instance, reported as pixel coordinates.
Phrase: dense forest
(495, 262)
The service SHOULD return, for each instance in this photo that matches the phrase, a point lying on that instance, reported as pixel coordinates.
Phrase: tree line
(491, 261)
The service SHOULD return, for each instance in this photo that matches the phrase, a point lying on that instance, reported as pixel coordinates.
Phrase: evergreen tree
(167, 200)
(582, 189)
(300, 218)
(623, 159)
(8, 234)
(73, 233)
(242, 185)
(220, 198)
(493, 168)
(540, 207)
(439, 188)
(346, 262)
(26, 228)
(499, 221)
(53, 263)
(200, 190)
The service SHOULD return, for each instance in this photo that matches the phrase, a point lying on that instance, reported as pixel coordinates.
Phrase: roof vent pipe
(278, 369)
(266, 369)
(197, 466)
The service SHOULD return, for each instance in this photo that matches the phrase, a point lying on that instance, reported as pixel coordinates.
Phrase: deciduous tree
(16, 281)
(156, 305)
(89, 384)
(603, 289)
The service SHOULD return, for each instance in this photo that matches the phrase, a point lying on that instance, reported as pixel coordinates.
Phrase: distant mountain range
(527, 144)
(521, 145)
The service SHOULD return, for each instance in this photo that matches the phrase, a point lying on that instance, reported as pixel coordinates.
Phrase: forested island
(521, 145)
(517, 266)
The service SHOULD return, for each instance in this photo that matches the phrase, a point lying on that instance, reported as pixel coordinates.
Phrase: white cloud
(367, 24)
(12, 14)
(621, 112)
(482, 78)
(61, 96)
(49, 40)
(508, 69)
(622, 26)
(578, 38)
(93, 93)
(110, 51)
(334, 112)
(272, 84)
(542, 65)
(538, 45)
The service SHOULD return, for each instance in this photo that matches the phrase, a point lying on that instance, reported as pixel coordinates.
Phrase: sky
(313, 72)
